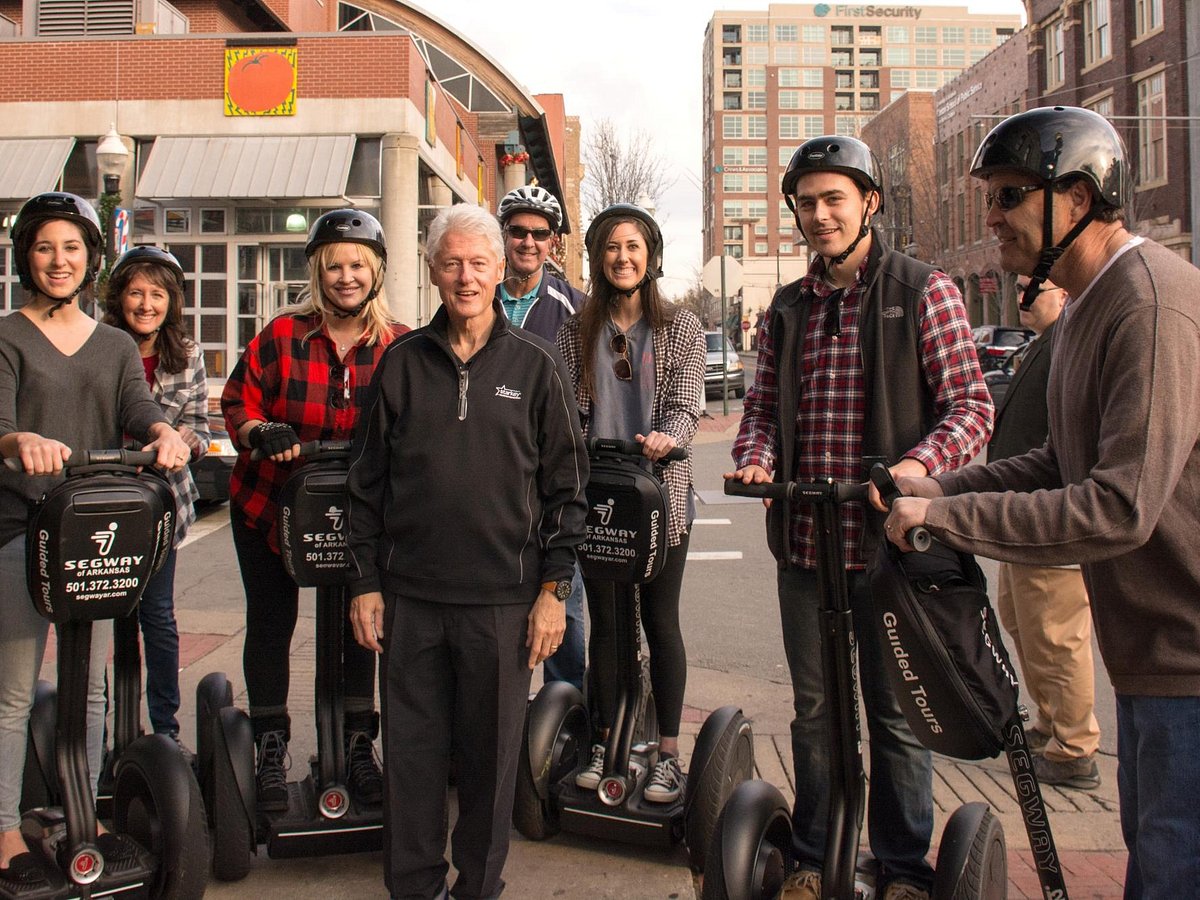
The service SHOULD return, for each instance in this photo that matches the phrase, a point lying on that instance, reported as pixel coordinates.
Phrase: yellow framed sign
(260, 81)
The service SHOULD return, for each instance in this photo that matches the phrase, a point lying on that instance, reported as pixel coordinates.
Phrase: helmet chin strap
(60, 302)
(357, 311)
(646, 279)
(1050, 251)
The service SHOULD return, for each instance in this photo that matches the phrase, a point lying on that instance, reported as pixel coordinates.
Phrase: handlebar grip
(96, 458)
(307, 448)
(768, 490)
(889, 492)
(632, 449)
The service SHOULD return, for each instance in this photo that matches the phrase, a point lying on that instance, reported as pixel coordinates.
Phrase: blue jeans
(1158, 783)
(160, 640)
(568, 661)
(900, 798)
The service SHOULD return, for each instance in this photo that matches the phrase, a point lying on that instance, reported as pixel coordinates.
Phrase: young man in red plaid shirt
(868, 356)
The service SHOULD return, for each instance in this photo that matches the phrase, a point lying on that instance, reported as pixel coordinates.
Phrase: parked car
(733, 366)
(212, 470)
(999, 378)
(995, 342)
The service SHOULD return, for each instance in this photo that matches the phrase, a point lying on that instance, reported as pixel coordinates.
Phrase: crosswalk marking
(712, 521)
(714, 554)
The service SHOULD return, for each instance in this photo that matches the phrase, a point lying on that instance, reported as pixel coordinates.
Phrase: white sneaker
(589, 778)
(666, 781)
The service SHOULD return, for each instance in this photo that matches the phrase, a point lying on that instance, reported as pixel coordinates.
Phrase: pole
(724, 345)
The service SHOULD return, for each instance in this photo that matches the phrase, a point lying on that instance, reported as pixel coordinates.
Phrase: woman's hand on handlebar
(41, 455)
(656, 445)
(751, 474)
(366, 617)
(907, 513)
(173, 451)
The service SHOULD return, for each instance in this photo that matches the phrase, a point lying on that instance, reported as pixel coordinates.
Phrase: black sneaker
(1080, 773)
(666, 781)
(363, 775)
(272, 772)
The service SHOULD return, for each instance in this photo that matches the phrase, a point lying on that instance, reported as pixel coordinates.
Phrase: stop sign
(710, 276)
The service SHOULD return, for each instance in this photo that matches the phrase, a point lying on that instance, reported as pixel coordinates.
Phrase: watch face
(562, 589)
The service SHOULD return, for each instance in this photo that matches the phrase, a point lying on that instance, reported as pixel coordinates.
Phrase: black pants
(455, 680)
(271, 609)
(660, 622)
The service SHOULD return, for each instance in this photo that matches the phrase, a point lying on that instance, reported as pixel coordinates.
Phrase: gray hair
(464, 218)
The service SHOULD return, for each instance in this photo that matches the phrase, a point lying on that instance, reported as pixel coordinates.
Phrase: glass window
(813, 55)
(212, 221)
(927, 79)
(732, 209)
(756, 183)
(1148, 15)
(756, 156)
(789, 127)
(177, 221)
(814, 126)
(734, 250)
(871, 56)
(732, 184)
(813, 77)
(733, 78)
(786, 33)
(784, 248)
(143, 221)
(898, 56)
(843, 79)
(926, 34)
(756, 100)
(814, 100)
(1152, 129)
(760, 247)
(756, 126)
(1095, 31)
(901, 78)
(731, 101)
(976, 55)
(731, 34)
(732, 56)
(896, 34)
(1103, 106)
(868, 102)
(927, 56)
(789, 78)
(841, 35)
(981, 36)
(731, 156)
(785, 155)
(954, 56)
(756, 77)
(846, 125)
(1055, 61)
(756, 56)
(731, 126)
(789, 99)
(756, 209)
(841, 58)
(952, 35)
(868, 80)
(843, 101)
(756, 34)
(813, 34)
(786, 54)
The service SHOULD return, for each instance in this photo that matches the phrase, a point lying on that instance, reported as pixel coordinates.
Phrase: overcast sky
(636, 63)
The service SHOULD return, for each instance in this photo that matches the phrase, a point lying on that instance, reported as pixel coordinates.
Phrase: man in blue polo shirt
(539, 302)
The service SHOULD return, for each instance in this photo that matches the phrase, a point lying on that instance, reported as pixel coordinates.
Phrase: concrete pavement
(209, 608)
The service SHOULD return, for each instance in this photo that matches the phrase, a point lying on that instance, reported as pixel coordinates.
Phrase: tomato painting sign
(260, 81)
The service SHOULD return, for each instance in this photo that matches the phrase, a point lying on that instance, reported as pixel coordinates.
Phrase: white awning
(31, 166)
(247, 167)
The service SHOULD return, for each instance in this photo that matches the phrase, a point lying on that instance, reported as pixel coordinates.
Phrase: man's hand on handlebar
(655, 445)
(907, 513)
(366, 617)
(906, 469)
(751, 475)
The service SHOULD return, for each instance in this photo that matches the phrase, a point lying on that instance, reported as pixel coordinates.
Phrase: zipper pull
(463, 378)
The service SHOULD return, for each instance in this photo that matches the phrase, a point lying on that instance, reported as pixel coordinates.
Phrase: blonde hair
(313, 301)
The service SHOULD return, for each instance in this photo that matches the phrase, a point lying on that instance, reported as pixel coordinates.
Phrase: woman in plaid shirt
(638, 369)
(144, 296)
(303, 378)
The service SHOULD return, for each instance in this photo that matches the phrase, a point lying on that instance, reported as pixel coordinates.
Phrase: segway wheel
(233, 802)
(750, 851)
(553, 745)
(972, 860)
(156, 801)
(213, 694)
(723, 759)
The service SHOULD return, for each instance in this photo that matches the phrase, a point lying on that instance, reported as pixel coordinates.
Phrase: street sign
(745, 324)
(711, 276)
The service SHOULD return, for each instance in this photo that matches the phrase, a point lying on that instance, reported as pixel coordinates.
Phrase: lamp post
(111, 158)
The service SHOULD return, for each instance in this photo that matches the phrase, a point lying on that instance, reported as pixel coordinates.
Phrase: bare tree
(705, 305)
(619, 169)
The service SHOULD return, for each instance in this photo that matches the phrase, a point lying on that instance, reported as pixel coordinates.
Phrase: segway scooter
(626, 545)
(751, 851)
(92, 543)
(321, 817)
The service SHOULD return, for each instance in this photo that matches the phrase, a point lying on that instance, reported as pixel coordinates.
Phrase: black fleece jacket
(467, 480)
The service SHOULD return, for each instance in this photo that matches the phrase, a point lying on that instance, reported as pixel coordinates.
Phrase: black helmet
(534, 199)
(1058, 142)
(154, 255)
(834, 153)
(44, 208)
(629, 211)
(347, 226)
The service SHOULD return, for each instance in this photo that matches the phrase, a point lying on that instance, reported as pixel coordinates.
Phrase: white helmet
(534, 199)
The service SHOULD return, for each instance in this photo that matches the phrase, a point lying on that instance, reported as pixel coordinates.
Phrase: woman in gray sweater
(66, 382)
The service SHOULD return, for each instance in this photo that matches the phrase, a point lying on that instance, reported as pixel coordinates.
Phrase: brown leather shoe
(898, 890)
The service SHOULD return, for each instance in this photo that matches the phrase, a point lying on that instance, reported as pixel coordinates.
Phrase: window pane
(212, 258)
(212, 294)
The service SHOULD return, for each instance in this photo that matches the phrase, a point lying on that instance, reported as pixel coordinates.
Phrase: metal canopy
(31, 166)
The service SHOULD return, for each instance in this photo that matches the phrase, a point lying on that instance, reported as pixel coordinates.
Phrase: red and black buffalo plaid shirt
(291, 373)
(830, 419)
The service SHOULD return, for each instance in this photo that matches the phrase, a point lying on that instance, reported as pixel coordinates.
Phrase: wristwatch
(561, 589)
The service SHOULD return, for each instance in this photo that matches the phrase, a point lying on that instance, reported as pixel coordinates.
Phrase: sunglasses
(622, 367)
(1009, 198)
(339, 386)
(519, 233)
(833, 313)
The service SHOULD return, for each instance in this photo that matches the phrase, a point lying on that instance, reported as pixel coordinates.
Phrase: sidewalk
(209, 609)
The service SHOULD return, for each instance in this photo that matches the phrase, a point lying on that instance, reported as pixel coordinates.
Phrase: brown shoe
(898, 890)
(1081, 773)
(802, 885)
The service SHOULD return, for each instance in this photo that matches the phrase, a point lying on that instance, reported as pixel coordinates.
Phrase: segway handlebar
(918, 537)
(81, 458)
(310, 448)
(798, 491)
(632, 449)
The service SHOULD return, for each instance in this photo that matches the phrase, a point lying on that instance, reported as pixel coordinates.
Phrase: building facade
(899, 136)
(775, 77)
(387, 110)
(964, 111)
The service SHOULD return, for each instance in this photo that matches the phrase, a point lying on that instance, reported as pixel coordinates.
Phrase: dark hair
(172, 341)
(1104, 212)
(603, 297)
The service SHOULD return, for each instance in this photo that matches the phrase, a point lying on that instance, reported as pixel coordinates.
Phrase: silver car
(733, 368)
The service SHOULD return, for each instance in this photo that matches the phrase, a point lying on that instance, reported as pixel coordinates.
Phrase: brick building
(389, 110)
(900, 139)
(964, 111)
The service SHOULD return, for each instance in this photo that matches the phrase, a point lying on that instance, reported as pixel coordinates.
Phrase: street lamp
(111, 158)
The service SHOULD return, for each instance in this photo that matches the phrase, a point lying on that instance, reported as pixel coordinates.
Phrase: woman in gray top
(66, 382)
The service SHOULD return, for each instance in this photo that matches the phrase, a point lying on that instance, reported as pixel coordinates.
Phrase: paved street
(735, 656)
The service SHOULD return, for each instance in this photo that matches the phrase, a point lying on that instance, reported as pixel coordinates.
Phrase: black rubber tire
(730, 763)
(533, 817)
(986, 874)
(233, 837)
(743, 873)
(213, 693)
(739, 392)
(157, 802)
